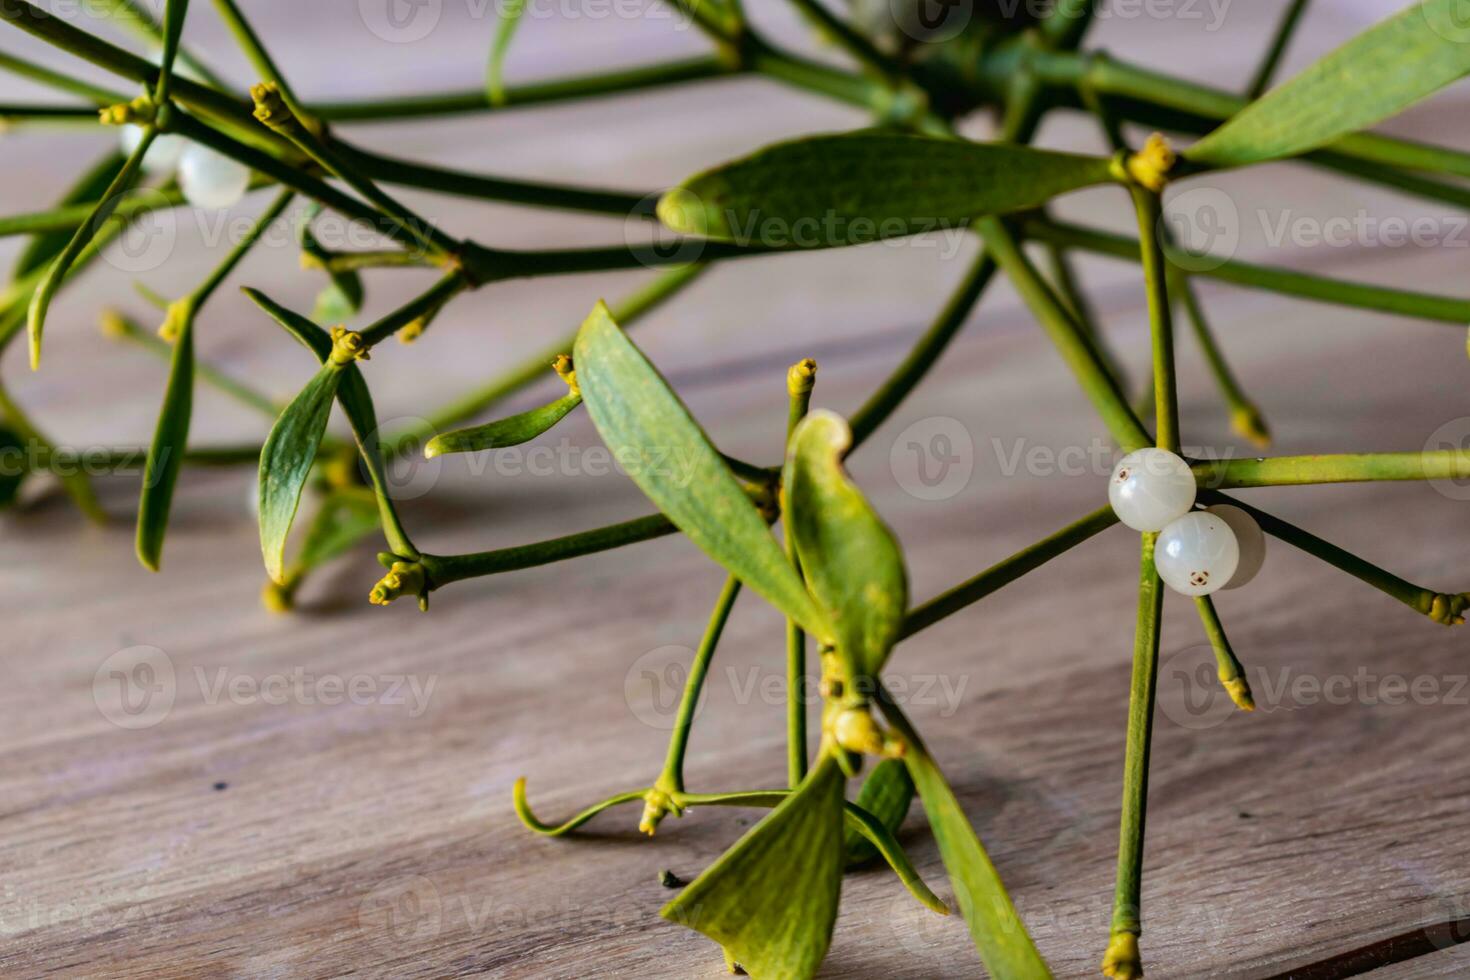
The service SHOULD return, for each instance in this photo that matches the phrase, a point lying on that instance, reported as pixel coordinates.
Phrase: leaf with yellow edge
(771, 900)
(667, 454)
(850, 558)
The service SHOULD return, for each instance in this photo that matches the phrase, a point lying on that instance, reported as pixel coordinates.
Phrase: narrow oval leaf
(285, 462)
(357, 404)
(851, 561)
(996, 928)
(771, 900)
(309, 334)
(851, 188)
(1377, 74)
(504, 432)
(887, 794)
(89, 187)
(166, 454)
(654, 437)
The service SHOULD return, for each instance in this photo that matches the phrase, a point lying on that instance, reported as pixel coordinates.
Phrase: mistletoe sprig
(838, 573)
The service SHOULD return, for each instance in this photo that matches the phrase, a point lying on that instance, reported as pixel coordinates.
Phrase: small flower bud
(567, 372)
(348, 346)
(802, 377)
(404, 578)
(1121, 961)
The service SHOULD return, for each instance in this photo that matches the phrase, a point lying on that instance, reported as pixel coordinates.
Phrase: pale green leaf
(887, 793)
(1377, 74)
(510, 431)
(851, 188)
(771, 900)
(166, 453)
(851, 561)
(285, 462)
(666, 453)
(999, 934)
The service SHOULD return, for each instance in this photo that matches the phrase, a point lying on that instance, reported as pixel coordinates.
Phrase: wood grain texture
(375, 837)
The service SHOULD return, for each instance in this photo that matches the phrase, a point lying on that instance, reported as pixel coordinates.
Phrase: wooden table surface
(242, 815)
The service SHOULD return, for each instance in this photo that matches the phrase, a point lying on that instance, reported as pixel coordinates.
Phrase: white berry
(1248, 539)
(163, 153)
(211, 180)
(1197, 554)
(1150, 488)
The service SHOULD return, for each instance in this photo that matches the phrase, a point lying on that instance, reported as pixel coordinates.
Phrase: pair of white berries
(1198, 551)
(208, 179)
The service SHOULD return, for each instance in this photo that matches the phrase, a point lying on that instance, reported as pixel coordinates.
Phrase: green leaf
(346, 517)
(510, 18)
(166, 454)
(311, 336)
(771, 900)
(285, 462)
(999, 934)
(1376, 75)
(887, 793)
(13, 466)
(357, 403)
(333, 305)
(851, 561)
(850, 188)
(90, 187)
(666, 453)
(504, 432)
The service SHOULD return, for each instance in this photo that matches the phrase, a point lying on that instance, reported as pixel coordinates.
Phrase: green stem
(1445, 608)
(1279, 40)
(1004, 573)
(259, 57)
(444, 569)
(173, 29)
(516, 96)
(1068, 337)
(672, 777)
(140, 21)
(387, 258)
(883, 402)
(1228, 668)
(205, 289)
(1127, 916)
(533, 368)
(1149, 207)
(432, 300)
(62, 83)
(799, 382)
(1280, 471)
(1245, 417)
(125, 328)
(858, 47)
(407, 173)
(1426, 306)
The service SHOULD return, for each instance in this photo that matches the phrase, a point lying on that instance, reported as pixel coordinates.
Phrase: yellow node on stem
(1121, 961)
